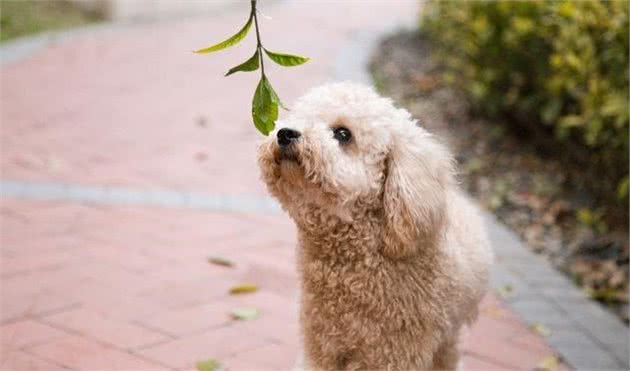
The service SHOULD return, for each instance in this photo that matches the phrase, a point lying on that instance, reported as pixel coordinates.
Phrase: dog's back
(469, 248)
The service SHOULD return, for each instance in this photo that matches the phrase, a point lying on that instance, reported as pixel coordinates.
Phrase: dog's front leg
(447, 356)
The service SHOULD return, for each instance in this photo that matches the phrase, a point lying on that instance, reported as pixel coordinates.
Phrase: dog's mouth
(287, 155)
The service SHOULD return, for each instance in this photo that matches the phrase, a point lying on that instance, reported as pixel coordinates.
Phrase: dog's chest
(347, 311)
(358, 293)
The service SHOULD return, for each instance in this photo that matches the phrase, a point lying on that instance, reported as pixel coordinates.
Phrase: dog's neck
(340, 232)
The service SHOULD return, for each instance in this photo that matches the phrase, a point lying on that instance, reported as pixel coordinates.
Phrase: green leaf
(286, 60)
(251, 64)
(208, 365)
(275, 97)
(240, 35)
(265, 107)
(243, 289)
(245, 314)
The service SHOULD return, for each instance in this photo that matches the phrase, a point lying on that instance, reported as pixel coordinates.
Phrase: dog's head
(346, 150)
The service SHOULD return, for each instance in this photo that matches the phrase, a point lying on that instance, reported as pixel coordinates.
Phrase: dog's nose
(286, 136)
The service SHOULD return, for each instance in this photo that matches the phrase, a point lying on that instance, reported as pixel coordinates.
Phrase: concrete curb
(582, 332)
(125, 196)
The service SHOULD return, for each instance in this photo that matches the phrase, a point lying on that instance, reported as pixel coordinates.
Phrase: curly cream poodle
(393, 258)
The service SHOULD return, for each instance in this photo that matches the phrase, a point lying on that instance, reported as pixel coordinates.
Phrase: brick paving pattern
(96, 284)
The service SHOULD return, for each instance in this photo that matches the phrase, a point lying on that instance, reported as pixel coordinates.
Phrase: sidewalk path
(127, 161)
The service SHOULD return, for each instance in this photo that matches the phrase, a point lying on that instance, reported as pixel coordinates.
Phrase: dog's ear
(419, 171)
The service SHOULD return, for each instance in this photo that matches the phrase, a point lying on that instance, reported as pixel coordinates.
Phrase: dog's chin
(288, 167)
(291, 169)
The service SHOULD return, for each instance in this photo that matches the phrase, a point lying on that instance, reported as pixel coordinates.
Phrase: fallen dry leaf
(220, 261)
(243, 289)
(496, 201)
(549, 363)
(202, 121)
(494, 312)
(506, 291)
(425, 82)
(540, 329)
(210, 364)
(201, 156)
(245, 314)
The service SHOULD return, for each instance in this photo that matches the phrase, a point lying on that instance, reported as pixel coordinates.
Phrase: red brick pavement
(89, 286)
(111, 311)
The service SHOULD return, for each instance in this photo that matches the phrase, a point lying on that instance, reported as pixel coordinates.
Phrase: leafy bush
(25, 17)
(557, 70)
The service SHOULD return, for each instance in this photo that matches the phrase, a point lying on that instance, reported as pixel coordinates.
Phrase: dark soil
(529, 190)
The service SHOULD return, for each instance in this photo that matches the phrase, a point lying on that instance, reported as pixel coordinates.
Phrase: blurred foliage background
(25, 17)
(557, 71)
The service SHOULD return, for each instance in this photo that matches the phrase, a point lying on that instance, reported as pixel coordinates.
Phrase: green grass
(26, 17)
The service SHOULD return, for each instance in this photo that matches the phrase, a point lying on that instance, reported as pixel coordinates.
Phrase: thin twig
(259, 43)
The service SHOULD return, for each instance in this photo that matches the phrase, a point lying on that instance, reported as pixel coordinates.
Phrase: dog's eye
(343, 135)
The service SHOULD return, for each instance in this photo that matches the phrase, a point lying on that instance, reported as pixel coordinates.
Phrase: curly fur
(393, 258)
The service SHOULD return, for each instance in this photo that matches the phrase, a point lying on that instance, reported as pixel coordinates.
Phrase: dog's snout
(286, 136)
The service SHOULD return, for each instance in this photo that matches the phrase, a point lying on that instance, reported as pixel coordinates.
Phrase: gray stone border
(582, 331)
(586, 335)
(125, 196)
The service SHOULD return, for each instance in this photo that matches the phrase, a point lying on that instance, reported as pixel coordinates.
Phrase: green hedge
(555, 69)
